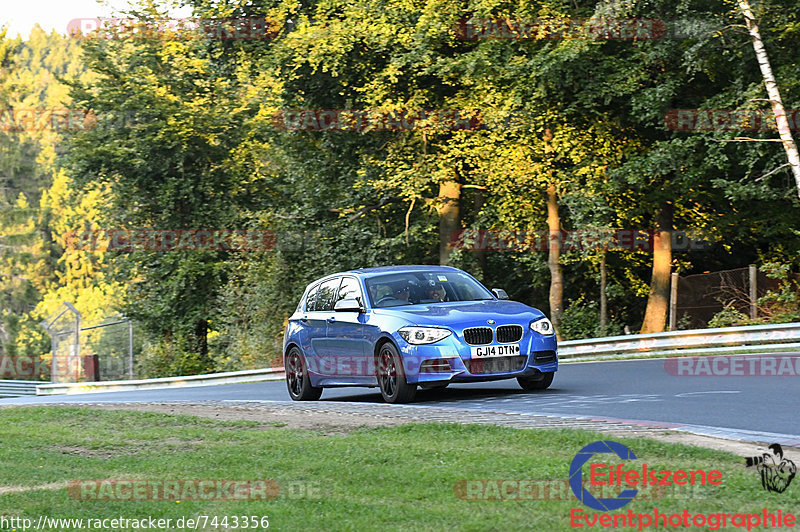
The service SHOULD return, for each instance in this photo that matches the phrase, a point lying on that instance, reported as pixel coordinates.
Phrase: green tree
(167, 124)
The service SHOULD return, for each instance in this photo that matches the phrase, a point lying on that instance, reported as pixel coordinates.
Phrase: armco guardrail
(726, 340)
(10, 388)
(230, 377)
(780, 337)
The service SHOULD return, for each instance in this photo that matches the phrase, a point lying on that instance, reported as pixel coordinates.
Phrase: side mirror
(348, 305)
(499, 293)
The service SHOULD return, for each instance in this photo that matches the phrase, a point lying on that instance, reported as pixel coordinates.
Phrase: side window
(350, 290)
(327, 295)
(311, 299)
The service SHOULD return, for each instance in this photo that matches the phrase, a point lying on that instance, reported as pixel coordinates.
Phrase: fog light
(435, 365)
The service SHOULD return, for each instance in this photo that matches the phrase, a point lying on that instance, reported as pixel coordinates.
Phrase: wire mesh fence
(109, 351)
(701, 296)
(101, 352)
(64, 328)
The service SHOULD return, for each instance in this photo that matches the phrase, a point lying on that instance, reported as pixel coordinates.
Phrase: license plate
(486, 351)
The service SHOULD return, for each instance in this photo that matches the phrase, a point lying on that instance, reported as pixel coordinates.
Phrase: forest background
(152, 127)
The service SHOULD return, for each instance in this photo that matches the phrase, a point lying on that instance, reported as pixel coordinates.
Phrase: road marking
(685, 394)
(563, 401)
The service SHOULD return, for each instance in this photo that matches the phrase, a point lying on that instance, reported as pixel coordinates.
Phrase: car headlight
(542, 326)
(423, 335)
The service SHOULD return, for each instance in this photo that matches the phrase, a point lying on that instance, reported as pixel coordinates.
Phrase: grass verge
(393, 478)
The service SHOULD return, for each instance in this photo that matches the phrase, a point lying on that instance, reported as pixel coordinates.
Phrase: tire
(391, 377)
(297, 381)
(542, 381)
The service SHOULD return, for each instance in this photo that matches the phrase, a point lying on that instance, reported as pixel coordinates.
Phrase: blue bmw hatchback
(404, 327)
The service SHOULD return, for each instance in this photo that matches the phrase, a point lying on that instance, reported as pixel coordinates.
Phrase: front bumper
(538, 354)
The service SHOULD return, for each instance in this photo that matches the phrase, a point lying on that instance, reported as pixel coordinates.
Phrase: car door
(301, 323)
(319, 310)
(345, 348)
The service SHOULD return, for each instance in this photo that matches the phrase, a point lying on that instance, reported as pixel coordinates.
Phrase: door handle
(331, 320)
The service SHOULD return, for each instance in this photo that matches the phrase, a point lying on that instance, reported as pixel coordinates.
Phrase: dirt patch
(268, 418)
(22, 489)
(76, 450)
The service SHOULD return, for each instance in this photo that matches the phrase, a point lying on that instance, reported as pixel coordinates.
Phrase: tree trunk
(480, 254)
(201, 340)
(655, 315)
(449, 218)
(554, 254)
(774, 94)
(603, 297)
(3, 339)
(554, 241)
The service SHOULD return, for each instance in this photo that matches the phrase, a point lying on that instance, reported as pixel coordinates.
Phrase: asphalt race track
(750, 408)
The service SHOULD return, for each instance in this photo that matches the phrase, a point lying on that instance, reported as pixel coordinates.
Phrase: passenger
(436, 292)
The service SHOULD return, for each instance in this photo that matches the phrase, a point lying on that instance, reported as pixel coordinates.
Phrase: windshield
(412, 288)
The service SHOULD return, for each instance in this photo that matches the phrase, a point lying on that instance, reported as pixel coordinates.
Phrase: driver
(402, 291)
(373, 292)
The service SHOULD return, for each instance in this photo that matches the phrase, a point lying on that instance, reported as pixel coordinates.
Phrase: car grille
(509, 333)
(542, 357)
(478, 335)
(496, 365)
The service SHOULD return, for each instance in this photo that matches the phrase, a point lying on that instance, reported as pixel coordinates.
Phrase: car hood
(463, 313)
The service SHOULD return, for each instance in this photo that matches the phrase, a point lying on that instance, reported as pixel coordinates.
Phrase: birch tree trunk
(774, 94)
(3, 340)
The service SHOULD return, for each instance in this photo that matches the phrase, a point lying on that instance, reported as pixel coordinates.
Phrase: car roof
(370, 272)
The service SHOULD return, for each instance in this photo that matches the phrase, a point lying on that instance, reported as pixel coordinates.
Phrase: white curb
(212, 379)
